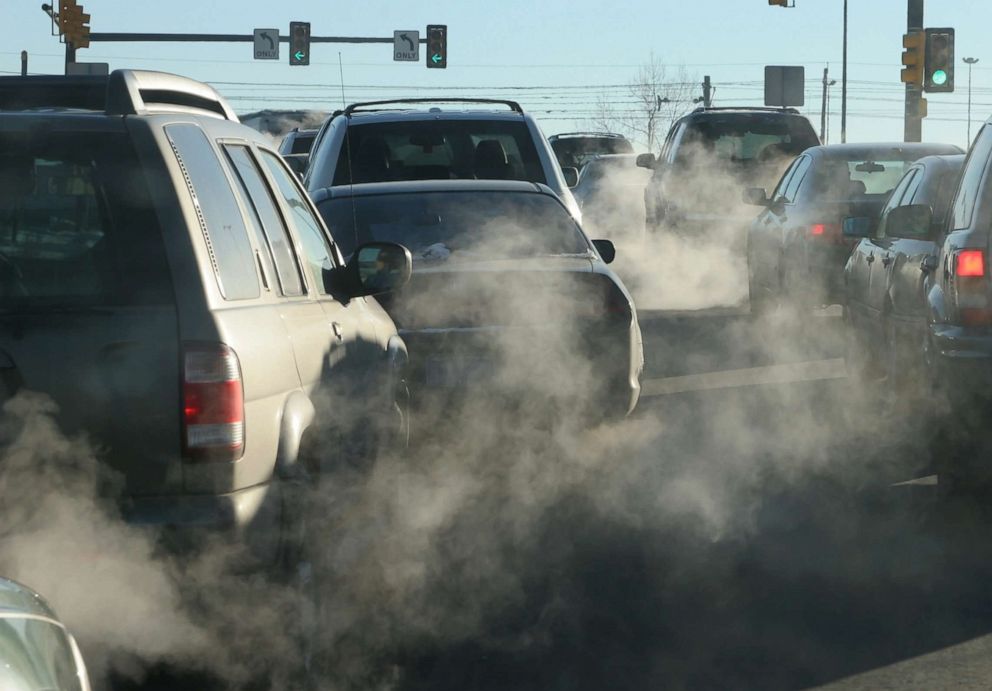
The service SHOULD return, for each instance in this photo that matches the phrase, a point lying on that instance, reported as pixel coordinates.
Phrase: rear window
(77, 226)
(576, 152)
(746, 139)
(438, 150)
(436, 226)
(838, 180)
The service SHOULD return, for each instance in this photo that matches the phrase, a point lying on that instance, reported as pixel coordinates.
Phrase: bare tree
(651, 102)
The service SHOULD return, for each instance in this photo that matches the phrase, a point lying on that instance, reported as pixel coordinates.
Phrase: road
(761, 522)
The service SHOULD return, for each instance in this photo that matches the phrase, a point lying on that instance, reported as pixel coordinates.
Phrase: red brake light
(970, 263)
(213, 403)
(829, 233)
(818, 228)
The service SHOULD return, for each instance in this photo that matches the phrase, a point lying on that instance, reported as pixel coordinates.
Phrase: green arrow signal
(436, 58)
(299, 55)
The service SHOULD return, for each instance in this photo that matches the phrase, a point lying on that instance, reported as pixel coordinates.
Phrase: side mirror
(912, 221)
(571, 176)
(375, 268)
(857, 226)
(755, 196)
(646, 161)
(606, 250)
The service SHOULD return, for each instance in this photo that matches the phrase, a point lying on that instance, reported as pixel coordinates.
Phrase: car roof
(704, 113)
(942, 160)
(868, 150)
(586, 135)
(420, 186)
(19, 599)
(416, 115)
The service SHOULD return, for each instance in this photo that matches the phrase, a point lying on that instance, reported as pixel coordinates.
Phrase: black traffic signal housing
(938, 75)
(912, 58)
(74, 24)
(780, 3)
(437, 46)
(299, 43)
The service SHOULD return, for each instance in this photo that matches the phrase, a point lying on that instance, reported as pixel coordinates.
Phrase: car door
(882, 255)
(762, 238)
(356, 355)
(789, 225)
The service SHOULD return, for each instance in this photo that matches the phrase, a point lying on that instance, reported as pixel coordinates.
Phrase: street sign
(266, 44)
(406, 46)
(785, 86)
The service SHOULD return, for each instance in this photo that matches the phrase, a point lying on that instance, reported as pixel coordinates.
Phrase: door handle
(870, 258)
(886, 260)
(338, 331)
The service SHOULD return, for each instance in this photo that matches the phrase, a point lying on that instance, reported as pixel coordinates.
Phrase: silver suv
(167, 281)
(381, 142)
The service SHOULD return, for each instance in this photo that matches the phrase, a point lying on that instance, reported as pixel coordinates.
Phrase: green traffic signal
(939, 77)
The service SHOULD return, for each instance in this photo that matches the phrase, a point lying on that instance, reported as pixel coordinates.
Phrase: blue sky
(556, 57)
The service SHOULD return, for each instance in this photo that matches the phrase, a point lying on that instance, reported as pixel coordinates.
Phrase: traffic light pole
(109, 37)
(913, 129)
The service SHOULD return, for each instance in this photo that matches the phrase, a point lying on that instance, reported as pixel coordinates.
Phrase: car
(167, 282)
(710, 150)
(575, 149)
(297, 141)
(609, 192)
(383, 141)
(796, 249)
(36, 649)
(883, 281)
(508, 294)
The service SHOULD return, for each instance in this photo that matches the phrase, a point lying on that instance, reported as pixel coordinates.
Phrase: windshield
(838, 180)
(436, 226)
(576, 152)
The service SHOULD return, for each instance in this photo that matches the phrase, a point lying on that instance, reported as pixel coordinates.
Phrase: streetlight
(970, 62)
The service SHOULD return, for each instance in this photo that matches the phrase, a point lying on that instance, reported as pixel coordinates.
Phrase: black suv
(166, 280)
(712, 149)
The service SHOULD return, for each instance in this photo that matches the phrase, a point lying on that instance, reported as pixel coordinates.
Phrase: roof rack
(770, 109)
(513, 105)
(612, 135)
(123, 92)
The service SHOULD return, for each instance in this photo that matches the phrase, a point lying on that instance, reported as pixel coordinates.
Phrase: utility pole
(913, 130)
(24, 63)
(707, 92)
(843, 85)
(823, 107)
(970, 62)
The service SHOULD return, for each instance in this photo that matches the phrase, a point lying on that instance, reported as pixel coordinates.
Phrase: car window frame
(983, 144)
(804, 164)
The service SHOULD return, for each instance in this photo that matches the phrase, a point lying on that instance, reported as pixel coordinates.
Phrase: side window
(912, 188)
(673, 144)
(895, 199)
(784, 182)
(802, 167)
(259, 198)
(308, 229)
(220, 216)
(971, 179)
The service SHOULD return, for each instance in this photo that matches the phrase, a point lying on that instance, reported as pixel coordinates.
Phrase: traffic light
(939, 60)
(437, 45)
(780, 3)
(74, 24)
(299, 43)
(912, 58)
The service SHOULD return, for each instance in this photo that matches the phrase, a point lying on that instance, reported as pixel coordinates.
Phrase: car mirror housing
(755, 196)
(911, 221)
(646, 161)
(857, 227)
(571, 176)
(374, 269)
(606, 250)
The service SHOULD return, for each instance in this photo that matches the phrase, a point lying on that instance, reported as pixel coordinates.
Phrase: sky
(557, 58)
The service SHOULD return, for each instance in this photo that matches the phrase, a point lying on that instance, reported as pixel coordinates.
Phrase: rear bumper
(962, 362)
(252, 516)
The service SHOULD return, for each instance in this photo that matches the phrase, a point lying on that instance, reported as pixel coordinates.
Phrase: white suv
(380, 141)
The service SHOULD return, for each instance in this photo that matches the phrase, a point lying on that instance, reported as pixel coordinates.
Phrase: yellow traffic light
(74, 23)
(912, 58)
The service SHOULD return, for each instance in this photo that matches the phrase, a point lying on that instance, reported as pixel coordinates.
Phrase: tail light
(971, 288)
(213, 403)
(828, 233)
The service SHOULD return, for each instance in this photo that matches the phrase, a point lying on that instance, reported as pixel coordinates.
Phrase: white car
(36, 650)
(387, 141)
